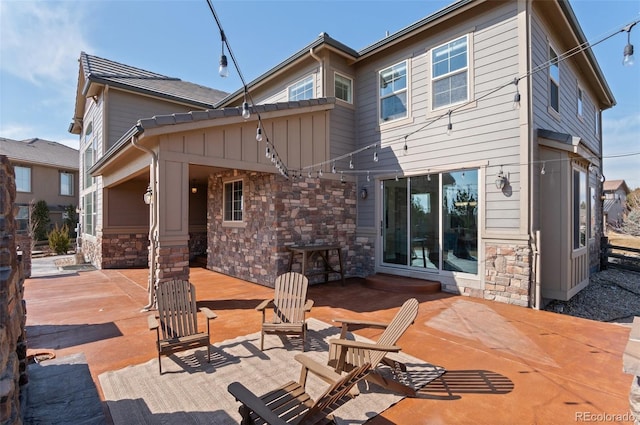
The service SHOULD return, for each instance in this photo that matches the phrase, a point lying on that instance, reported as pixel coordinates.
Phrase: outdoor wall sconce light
(364, 193)
(501, 180)
(147, 195)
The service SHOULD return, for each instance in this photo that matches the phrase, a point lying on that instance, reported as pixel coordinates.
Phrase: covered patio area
(549, 368)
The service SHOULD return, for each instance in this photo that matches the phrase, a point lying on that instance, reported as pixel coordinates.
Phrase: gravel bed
(612, 295)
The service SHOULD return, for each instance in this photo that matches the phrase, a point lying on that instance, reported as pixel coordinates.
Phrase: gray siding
(567, 121)
(125, 109)
(486, 133)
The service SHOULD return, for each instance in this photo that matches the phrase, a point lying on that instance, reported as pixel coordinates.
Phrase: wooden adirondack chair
(290, 403)
(176, 321)
(345, 355)
(289, 306)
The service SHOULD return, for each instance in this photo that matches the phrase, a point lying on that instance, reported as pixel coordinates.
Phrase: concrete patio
(504, 364)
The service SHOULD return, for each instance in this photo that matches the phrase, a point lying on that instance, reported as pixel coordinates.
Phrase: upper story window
(450, 73)
(554, 80)
(233, 200)
(23, 178)
(302, 90)
(66, 183)
(343, 88)
(393, 92)
(89, 159)
(580, 103)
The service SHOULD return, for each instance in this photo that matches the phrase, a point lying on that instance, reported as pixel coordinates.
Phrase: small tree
(59, 241)
(33, 224)
(631, 223)
(41, 221)
(71, 218)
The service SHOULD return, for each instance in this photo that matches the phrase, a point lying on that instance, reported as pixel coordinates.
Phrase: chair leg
(208, 353)
(261, 340)
(160, 363)
(304, 337)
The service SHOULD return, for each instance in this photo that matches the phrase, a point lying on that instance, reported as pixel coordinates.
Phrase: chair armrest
(207, 312)
(264, 304)
(253, 402)
(322, 371)
(361, 323)
(153, 322)
(308, 305)
(365, 345)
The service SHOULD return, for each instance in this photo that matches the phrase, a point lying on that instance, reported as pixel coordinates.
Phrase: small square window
(343, 88)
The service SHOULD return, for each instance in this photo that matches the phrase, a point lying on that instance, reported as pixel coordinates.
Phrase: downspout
(153, 221)
(536, 264)
(322, 76)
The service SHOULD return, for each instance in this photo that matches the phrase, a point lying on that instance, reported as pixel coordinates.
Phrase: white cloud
(40, 41)
(16, 131)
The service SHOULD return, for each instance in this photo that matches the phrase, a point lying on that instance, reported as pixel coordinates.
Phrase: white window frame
(337, 76)
(404, 90)
(24, 177)
(580, 102)
(580, 195)
(451, 73)
(554, 80)
(300, 91)
(69, 183)
(235, 215)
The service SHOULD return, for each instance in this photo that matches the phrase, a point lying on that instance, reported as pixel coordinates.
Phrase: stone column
(13, 347)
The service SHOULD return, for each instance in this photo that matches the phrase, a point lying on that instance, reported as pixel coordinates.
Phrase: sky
(41, 41)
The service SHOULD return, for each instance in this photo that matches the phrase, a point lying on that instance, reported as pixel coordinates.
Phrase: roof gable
(39, 151)
(96, 72)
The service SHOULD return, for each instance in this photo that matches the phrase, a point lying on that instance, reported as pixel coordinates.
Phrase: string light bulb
(259, 134)
(333, 167)
(375, 154)
(223, 70)
(449, 126)
(368, 177)
(516, 97)
(246, 114)
(351, 162)
(543, 171)
(628, 49)
(405, 148)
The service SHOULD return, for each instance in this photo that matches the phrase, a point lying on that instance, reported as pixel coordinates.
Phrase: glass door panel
(460, 221)
(424, 219)
(394, 222)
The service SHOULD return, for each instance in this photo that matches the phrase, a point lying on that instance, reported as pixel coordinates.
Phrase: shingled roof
(39, 151)
(104, 71)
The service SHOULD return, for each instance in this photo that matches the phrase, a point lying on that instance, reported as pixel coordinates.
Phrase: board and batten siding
(125, 109)
(299, 140)
(485, 134)
(567, 120)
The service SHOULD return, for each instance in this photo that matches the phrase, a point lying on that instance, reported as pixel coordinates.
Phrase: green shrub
(41, 220)
(59, 241)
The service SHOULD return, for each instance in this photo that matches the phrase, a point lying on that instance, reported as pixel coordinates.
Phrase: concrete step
(388, 282)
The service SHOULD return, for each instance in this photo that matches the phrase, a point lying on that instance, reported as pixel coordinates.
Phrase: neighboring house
(353, 149)
(46, 171)
(615, 202)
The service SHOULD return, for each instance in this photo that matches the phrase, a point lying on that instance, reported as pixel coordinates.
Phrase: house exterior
(615, 202)
(411, 154)
(44, 170)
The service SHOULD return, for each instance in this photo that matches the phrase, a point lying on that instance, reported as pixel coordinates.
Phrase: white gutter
(321, 62)
(153, 222)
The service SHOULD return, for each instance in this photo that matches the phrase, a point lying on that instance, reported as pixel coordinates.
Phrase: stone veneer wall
(172, 262)
(13, 345)
(508, 274)
(125, 250)
(91, 252)
(279, 213)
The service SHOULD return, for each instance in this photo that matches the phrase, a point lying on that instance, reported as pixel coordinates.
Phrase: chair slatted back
(177, 310)
(401, 321)
(290, 297)
(335, 396)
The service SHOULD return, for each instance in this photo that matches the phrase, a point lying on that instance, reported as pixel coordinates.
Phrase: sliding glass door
(430, 222)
